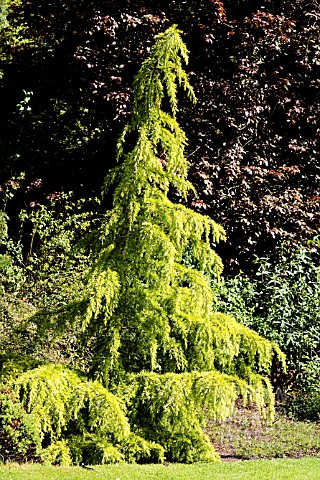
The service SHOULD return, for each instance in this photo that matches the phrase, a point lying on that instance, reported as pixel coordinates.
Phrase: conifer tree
(147, 305)
(150, 304)
(157, 343)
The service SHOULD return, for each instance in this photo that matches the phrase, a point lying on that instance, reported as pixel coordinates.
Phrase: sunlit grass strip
(282, 469)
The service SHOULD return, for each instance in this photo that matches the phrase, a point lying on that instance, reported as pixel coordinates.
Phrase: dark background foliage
(253, 135)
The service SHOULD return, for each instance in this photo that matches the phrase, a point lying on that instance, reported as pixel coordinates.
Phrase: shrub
(43, 269)
(151, 415)
(57, 453)
(93, 450)
(282, 303)
(137, 449)
(305, 399)
(19, 439)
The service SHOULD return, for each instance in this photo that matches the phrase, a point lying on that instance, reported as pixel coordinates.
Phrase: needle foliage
(156, 342)
(159, 344)
(146, 304)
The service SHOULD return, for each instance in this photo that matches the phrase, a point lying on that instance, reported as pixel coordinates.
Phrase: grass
(247, 436)
(281, 469)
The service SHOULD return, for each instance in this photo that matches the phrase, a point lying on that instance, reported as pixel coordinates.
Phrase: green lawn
(281, 469)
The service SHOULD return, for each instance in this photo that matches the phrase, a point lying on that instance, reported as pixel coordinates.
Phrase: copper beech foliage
(253, 134)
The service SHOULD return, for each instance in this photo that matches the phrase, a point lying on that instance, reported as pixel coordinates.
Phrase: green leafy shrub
(63, 401)
(143, 308)
(97, 450)
(93, 450)
(19, 439)
(80, 421)
(16, 332)
(282, 303)
(42, 250)
(43, 268)
(305, 399)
